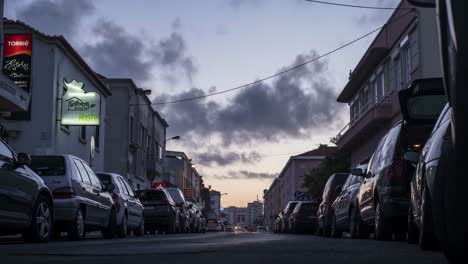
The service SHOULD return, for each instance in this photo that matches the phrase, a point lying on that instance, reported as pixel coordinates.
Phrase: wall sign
(80, 108)
(17, 65)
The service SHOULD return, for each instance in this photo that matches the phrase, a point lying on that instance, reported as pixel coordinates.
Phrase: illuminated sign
(16, 66)
(79, 108)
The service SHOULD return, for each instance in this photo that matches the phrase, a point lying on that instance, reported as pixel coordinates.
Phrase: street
(209, 247)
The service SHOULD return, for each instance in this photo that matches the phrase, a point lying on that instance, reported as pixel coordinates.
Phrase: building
(254, 214)
(215, 204)
(237, 216)
(180, 171)
(135, 134)
(289, 185)
(404, 50)
(67, 113)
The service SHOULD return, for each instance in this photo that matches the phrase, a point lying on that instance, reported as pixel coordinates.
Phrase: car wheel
(353, 222)
(109, 231)
(123, 228)
(334, 232)
(362, 229)
(77, 229)
(427, 239)
(412, 229)
(140, 230)
(40, 229)
(382, 225)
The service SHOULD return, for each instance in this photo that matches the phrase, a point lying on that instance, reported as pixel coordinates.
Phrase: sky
(179, 49)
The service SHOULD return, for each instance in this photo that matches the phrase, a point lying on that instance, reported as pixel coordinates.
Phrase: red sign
(159, 185)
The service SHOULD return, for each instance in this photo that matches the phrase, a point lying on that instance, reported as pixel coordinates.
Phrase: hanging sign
(79, 108)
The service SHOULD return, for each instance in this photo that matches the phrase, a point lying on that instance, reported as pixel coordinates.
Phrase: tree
(316, 179)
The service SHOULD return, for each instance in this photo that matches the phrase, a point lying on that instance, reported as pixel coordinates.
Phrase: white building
(254, 212)
(55, 62)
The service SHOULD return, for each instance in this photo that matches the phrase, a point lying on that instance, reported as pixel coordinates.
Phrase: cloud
(56, 17)
(378, 17)
(217, 157)
(296, 104)
(239, 3)
(245, 174)
(117, 53)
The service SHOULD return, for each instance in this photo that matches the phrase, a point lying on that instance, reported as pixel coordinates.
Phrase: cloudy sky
(183, 48)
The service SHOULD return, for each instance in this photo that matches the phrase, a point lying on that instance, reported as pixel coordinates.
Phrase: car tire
(427, 239)
(123, 227)
(334, 232)
(77, 229)
(412, 229)
(140, 230)
(40, 229)
(109, 231)
(382, 225)
(362, 229)
(353, 222)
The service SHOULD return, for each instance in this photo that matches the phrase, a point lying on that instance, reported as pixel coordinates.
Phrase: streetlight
(173, 138)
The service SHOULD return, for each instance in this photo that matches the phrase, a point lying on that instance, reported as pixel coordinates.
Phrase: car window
(441, 117)
(326, 189)
(82, 171)
(105, 179)
(5, 153)
(373, 164)
(95, 182)
(124, 187)
(48, 165)
(129, 188)
(151, 195)
(388, 148)
(347, 183)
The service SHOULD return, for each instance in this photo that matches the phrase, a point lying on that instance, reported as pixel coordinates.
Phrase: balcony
(378, 112)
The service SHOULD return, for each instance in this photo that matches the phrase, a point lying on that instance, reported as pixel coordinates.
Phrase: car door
(344, 200)
(103, 204)
(17, 190)
(338, 203)
(88, 195)
(366, 203)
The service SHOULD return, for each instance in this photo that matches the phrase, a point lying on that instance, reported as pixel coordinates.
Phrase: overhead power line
(353, 6)
(283, 71)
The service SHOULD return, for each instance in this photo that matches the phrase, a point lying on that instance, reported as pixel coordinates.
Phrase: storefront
(66, 113)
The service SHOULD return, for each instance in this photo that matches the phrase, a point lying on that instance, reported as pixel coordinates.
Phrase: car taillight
(395, 173)
(116, 198)
(64, 192)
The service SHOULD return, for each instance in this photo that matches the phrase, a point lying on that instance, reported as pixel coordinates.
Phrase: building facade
(404, 50)
(55, 65)
(135, 134)
(215, 204)
(254, 213)
(289, 185)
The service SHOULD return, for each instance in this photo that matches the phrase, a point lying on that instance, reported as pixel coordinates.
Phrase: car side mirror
(412, 156)
(110, 187)
(23, 159)
(357, 172)
(338, 189)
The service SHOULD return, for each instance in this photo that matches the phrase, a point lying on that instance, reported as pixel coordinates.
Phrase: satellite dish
(92, 146)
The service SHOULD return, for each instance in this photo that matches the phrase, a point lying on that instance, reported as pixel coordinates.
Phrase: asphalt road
(239, 248)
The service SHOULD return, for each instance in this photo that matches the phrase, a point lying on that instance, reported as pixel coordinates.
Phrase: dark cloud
(219, 158)
(245, 174)
(57, 17)
(117, 53)
(296, 104)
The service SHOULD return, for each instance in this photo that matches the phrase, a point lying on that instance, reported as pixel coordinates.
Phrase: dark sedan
(304, 217)
(160, 211)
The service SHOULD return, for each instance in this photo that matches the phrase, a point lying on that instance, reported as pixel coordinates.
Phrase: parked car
(277, 223)
(344, 208)
(283, 217)
(81, 203)
(229, 228)
(213, 225)
(25, 200)
(384, 195)
(183, 207)
(129, 208)
(304, 217)
(160, 211)
(198, 225)
(426, 183)
(325, 212)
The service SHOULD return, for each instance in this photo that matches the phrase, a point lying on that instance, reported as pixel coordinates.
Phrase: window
(407, 52)
(131, 129)
(388, 148)
(5, 153)
(375, 160)
(380, 85)
(83, 133)
(82, 171)
(397, 72)
(125, 188)
(94, 179)
(160, 152)
(96, 137)
(129, 189)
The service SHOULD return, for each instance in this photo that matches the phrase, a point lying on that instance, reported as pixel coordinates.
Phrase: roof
(380, 47)
(65, 45)
(322, 150)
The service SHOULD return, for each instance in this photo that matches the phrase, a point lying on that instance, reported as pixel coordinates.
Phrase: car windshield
(151, 195)
(48, 165)
(176, 195)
